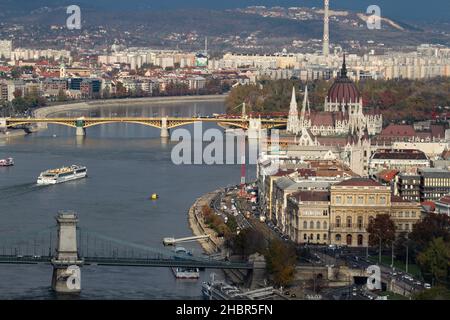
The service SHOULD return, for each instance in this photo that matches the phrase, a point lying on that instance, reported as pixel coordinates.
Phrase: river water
(126, 163)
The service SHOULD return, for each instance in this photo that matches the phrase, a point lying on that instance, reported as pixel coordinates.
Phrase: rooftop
(359, 182)
(402, 154)
(312, 196)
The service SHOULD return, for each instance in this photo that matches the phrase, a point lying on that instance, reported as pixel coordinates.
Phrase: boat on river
(8, 162)
(64, 174)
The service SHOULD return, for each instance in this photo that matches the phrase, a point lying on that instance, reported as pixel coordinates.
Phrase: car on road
(427, 286)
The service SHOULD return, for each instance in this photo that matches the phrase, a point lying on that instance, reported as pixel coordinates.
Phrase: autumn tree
(431, 227)
(281, 261)
(381, 232)
(434, 261)
(435, 293)
(247, 242)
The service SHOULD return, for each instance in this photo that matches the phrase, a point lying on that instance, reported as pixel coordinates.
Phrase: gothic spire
(344, 69)
(305, 107)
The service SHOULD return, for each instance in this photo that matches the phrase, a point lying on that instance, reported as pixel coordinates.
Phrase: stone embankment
(199, 228)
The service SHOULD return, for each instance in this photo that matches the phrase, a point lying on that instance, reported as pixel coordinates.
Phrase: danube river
(126, 164)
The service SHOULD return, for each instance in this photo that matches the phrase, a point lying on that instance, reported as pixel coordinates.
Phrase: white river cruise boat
(61, 175)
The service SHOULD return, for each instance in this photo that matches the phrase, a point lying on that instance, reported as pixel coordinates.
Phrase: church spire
(293, 125)
(344, 69)
(305, 106)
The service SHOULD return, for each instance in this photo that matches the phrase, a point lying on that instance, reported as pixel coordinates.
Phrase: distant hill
(408, 10)
(147, 26)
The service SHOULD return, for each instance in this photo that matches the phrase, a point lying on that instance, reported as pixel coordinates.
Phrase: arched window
(349, 239)
(360, 222)
(338, 222)
(311, 225)
(349, 222)
(360, 239)
(338, 237)
(318, 225)
(325, 225)
(305, 225)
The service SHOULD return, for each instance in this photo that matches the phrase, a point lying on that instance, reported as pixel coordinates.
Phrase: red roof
(322, 119)
(359, 182)
(437, 131)
(387, 175)
(430, 204)
(445, 199)
(398, 199)
(398, 130)
(312, 196)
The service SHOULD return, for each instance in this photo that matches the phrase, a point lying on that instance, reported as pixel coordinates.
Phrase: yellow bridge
(163, 123)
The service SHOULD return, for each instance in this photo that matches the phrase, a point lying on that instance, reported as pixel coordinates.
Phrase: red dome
(343, 89)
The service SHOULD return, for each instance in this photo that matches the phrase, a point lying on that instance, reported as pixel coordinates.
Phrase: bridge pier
(66, 276)
(258, 274)
(80, 132)
(80, 129)
(164, 129)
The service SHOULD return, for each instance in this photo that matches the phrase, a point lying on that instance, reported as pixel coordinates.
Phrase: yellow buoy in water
(154, 196)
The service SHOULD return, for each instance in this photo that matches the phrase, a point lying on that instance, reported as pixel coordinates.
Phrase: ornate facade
(342, 112)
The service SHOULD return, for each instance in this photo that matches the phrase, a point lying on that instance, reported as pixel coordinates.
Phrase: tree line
(398, 100)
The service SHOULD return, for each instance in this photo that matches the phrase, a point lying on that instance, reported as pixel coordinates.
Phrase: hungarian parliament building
(342, 114)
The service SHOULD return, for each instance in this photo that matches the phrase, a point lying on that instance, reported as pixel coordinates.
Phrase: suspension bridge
(67, 247)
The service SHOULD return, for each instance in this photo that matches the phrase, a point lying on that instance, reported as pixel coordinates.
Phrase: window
(318, 225)
(304, 237)
(325, 225)
(371, 199)
(338, 199)
(324, 236)
(305, 225)
(413, 214)
(382, 200)
(349, 239)
(360, 200)
(360, 239)
(349, 222)
(407, 214)
(325, 212)
(317, 236)
(338, 237)
(349, 200)
(360, 222)
(311, 225)
(338, 222)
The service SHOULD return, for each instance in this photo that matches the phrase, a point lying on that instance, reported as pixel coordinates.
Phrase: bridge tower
(81, 130)
(3, 125)
(164, 128)
(66, 263)
(254, 128)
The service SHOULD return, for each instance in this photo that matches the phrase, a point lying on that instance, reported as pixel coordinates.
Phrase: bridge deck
(134, 262)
